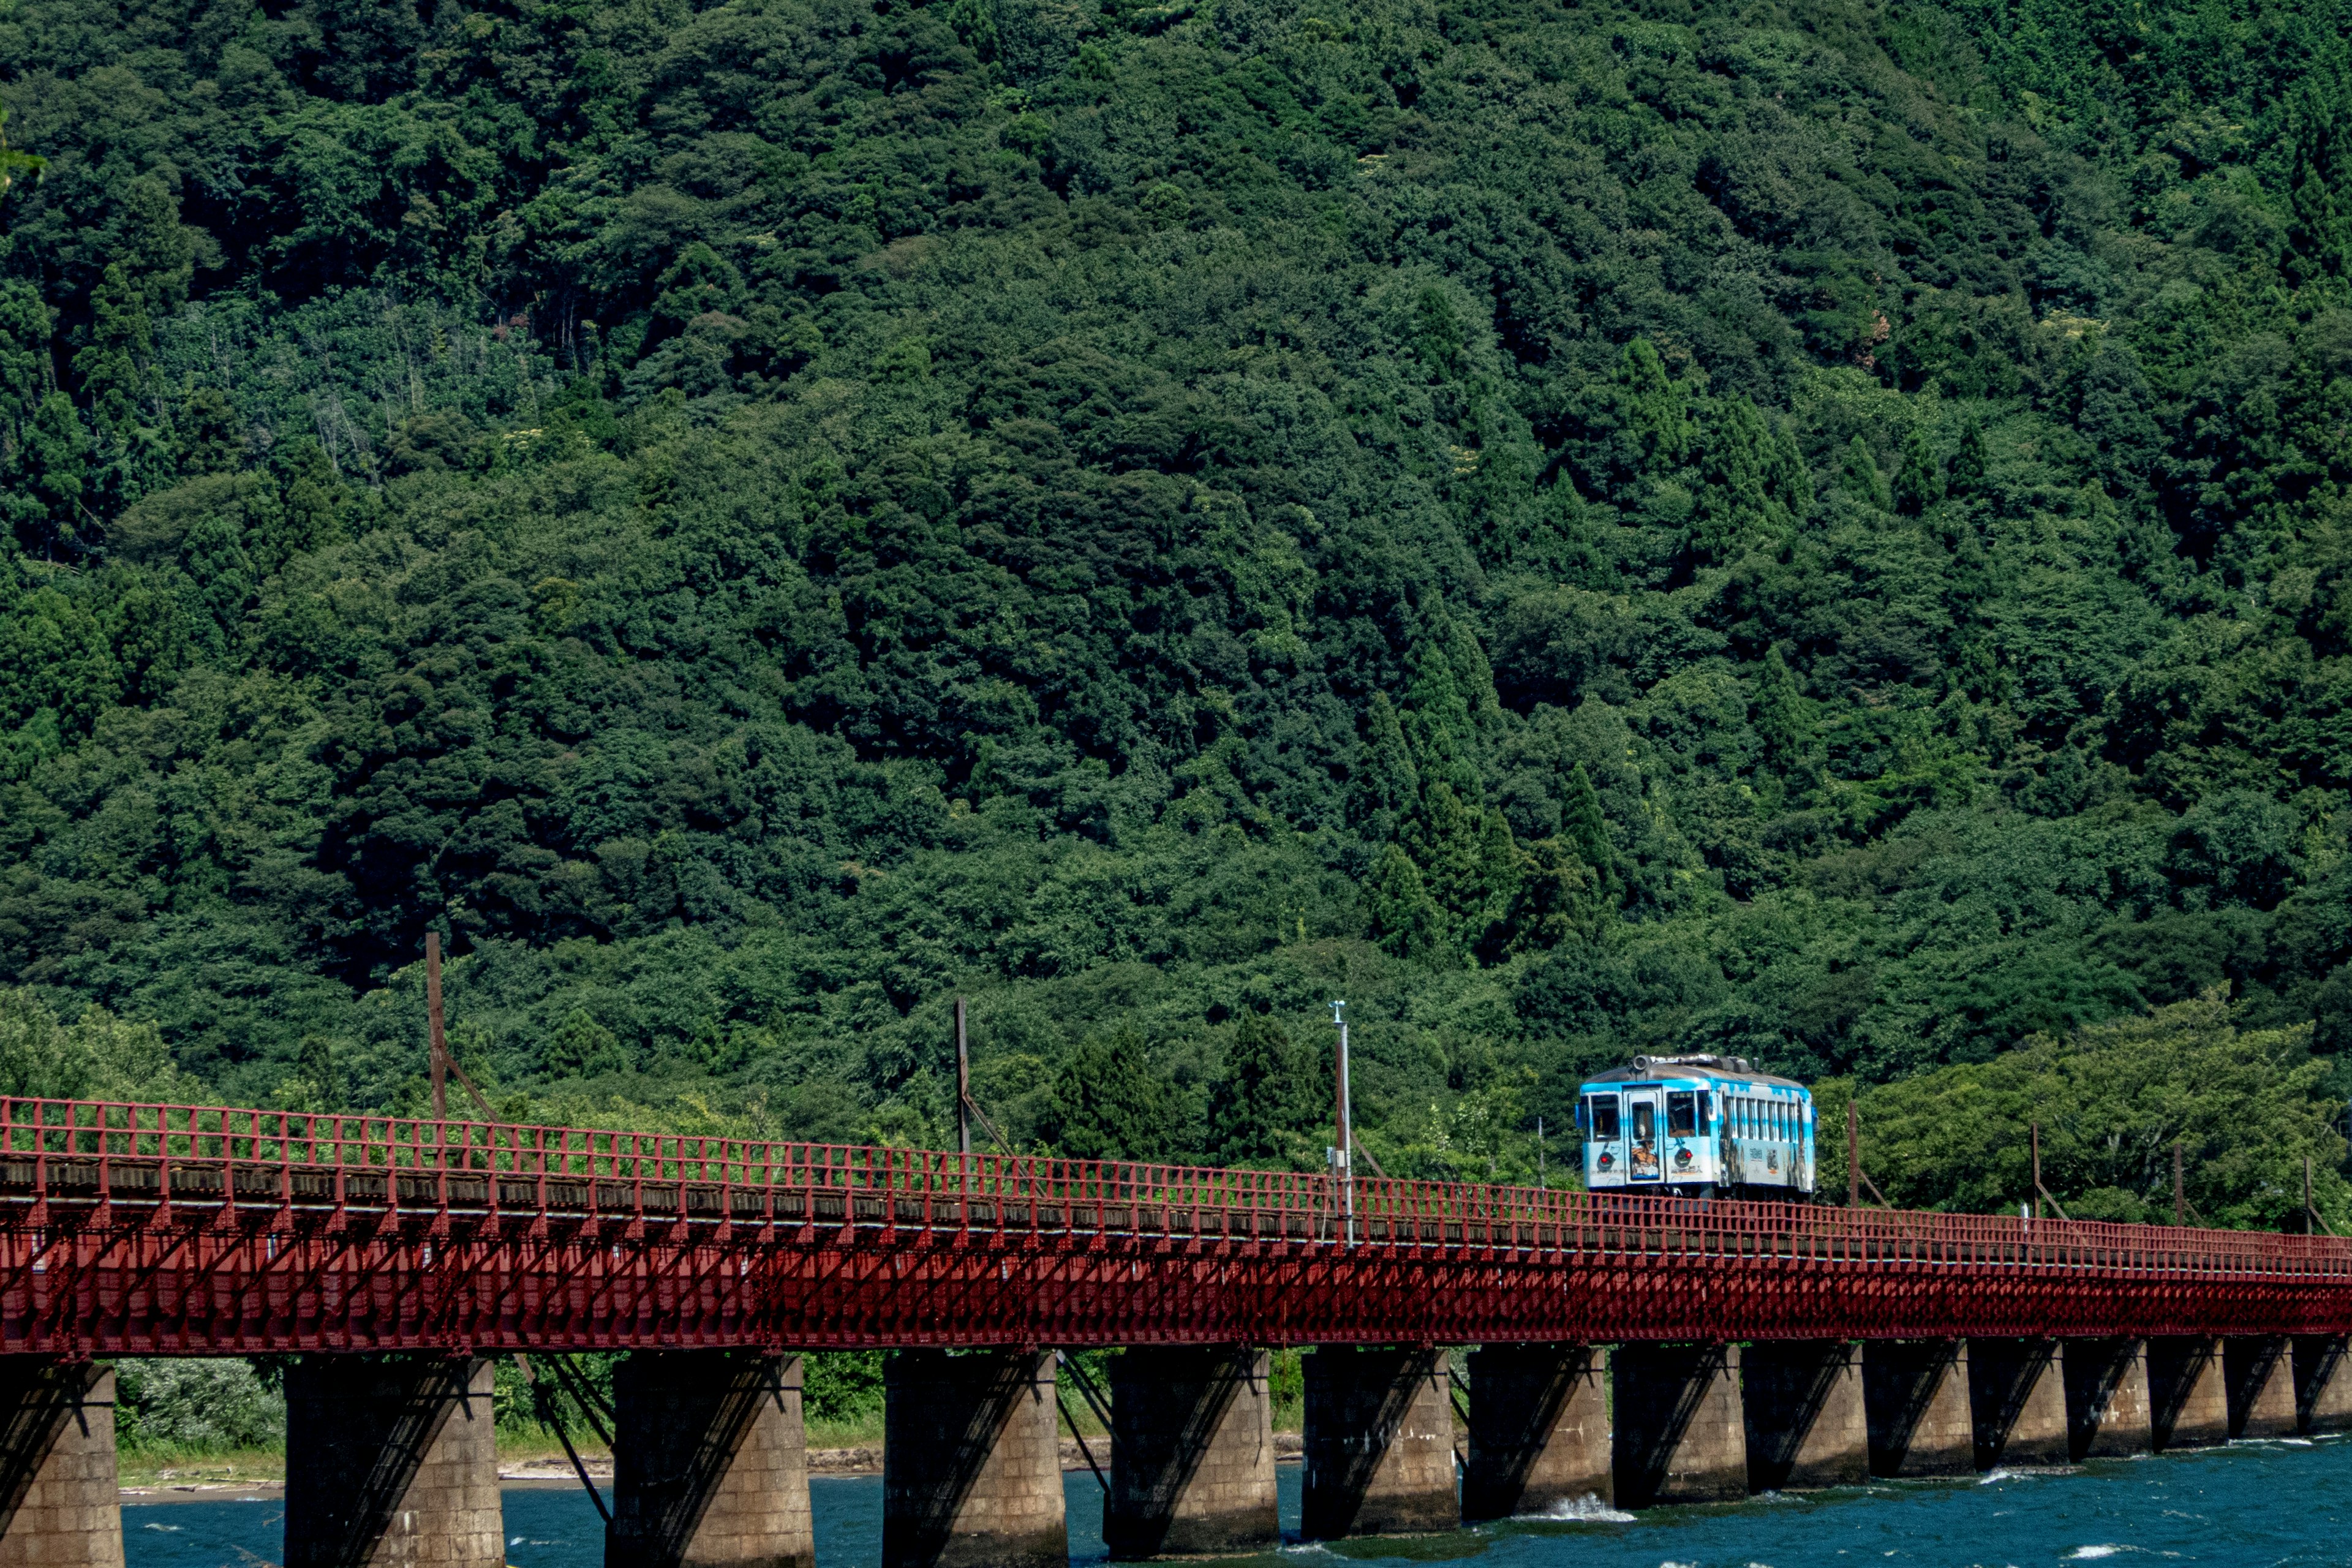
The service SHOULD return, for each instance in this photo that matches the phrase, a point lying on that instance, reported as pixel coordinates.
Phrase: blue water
(2250, 1504)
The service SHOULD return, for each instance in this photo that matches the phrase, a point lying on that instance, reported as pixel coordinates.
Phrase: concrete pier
(1917, 1392)
(2259, 1372)
(710, 1463)
(1539, 1430)
(1380, 1444)
(391, 1462)
(2188, 1394)
(2322, 1383)
(1680, 1434)
(972, 1472)
(1808, 1424)
(2107, 1408)
(1191, 1454)
(58, 1496)
(2017, 1399)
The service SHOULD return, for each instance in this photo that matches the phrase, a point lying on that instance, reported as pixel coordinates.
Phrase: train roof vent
(1728, 1064)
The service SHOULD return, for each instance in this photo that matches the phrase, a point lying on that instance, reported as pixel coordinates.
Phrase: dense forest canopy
(1814, 530)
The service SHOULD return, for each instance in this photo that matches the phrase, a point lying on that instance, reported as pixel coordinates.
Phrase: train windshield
(1645, 1120)
(1681, 1113)
(1604, 1116)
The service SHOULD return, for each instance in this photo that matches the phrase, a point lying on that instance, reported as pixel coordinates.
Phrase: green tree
(1254, 1103)
(1108, 1102)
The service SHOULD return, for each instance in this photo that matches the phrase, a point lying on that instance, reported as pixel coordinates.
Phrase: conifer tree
(1398, 909)
(1256, 1099)
(1586, 827)
(1783, 719)
(1107, 1103)
(1919, 483)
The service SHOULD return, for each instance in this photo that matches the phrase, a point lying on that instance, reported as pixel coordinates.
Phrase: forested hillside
(1816, 530)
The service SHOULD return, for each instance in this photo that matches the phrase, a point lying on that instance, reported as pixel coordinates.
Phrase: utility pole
(438, 1043)
(2179, 1189)
(1541, 1184)
(1852, 1156)
(963, 1089)
(2035, 1131)
(1343, 1156)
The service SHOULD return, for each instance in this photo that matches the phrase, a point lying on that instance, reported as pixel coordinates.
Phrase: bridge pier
(2259, 1371)
(1380, 1444)
(1917, 1392)
(1680, 1434)
(710, 1466)
(391, 1462)
(59, 1505)
(1539, 1430)
(2017, 1397)
(2187, 1392)
(971, 1461)
(1806, 1418)
(2322, 1383)
(1192, 1453)
(2108, 1407)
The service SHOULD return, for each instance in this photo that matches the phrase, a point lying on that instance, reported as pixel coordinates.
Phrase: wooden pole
(2035, 1127)
(1852, 1156)
(964, 1087)
(438, 1043)
(2179, 1191)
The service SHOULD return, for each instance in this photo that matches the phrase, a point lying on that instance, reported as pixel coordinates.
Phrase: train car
(1698, 1127)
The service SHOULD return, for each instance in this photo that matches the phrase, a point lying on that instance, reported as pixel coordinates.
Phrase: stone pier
(1917, 1392)
(1807, 1421)
(1191, 1454)
(972, 1470)
(709, 1464)
(2188, 1394)
(2107, 1408)
(2017, 1397)
(1539, 1430)
(2322, 1383)
(2259, 1372)
(58, 1496)
(392, 1461)
(1380, 1444)
(1680, 1434)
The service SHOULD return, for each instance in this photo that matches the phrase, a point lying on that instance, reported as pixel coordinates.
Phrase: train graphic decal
(1701, 1127)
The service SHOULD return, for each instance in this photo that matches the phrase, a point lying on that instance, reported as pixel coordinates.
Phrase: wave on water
(1587, 1508)
(2082, 1553)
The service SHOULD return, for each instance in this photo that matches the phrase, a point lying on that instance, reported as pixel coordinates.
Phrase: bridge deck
(177, 1229)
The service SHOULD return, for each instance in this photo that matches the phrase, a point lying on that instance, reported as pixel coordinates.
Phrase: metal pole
(2309, 1213)
(2034, 1129)
(2179, 1191)
(438, 1044)
(963, 1088)
(1343, 1156)
(1852, 1156)
(1540, 1182)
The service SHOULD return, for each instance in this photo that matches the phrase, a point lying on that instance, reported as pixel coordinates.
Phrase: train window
(1645, 1122)
(1604, 1116)
(1681, 1113)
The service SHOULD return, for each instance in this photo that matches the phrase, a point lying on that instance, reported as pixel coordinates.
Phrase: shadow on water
(2267, 1504)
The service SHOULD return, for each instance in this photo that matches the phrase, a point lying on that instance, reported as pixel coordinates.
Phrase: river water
(2247, 1505)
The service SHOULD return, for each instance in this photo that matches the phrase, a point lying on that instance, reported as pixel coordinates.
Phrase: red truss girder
(165, 1230)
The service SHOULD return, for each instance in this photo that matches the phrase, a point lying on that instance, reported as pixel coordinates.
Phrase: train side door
(1645, 1121)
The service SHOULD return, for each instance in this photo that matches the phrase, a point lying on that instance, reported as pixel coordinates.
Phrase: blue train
(1696, 1127)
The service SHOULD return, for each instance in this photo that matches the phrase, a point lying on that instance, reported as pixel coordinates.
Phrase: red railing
(164, 1154)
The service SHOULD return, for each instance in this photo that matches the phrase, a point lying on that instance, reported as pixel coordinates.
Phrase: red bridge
(164, 1230)
(1754, 1344)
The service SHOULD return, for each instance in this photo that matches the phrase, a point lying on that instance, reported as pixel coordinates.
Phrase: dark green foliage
(1817, 533)
(1259, 1099)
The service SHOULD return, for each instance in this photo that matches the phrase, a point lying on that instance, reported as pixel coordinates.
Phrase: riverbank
(260, 1475)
